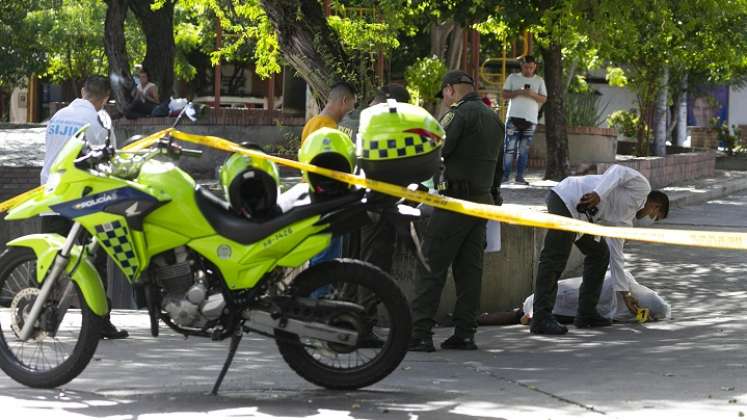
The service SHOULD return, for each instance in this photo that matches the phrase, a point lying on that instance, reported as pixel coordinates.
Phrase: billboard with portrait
(705, 104)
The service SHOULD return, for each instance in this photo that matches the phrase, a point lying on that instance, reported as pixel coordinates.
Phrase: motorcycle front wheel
(384, 330)
(59, 349)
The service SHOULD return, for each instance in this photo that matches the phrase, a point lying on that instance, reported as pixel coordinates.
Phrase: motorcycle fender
(32, 205)
(46, 246)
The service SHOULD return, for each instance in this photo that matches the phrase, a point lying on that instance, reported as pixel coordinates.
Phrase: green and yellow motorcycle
(205, 271)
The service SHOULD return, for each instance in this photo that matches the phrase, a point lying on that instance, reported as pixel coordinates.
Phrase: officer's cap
(454, 77)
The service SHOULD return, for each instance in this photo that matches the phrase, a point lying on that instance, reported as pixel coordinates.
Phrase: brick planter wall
(585, 144)
(15, 180)
(663, 171)
(703, 138)
(222, 116)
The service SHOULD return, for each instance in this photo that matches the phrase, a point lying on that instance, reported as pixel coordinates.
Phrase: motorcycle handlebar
(176, 151)
(192, 152)
(93, 157)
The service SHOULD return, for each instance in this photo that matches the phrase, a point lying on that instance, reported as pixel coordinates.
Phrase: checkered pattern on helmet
(115, 238)
(398, 148)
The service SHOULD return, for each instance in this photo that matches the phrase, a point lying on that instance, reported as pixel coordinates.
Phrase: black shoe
(458, 343)
(522, 181)
(547, 326)
(370, 341)
(424, 345)
(593, 320)
(111, 332)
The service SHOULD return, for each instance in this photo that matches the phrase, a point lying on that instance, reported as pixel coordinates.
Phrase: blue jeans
(516, 145)
(334, 250)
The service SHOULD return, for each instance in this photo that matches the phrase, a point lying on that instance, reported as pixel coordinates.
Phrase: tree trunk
(440, 38)
(310, 45)
(455, 48)
(116, 52)
(647, 109)
(660, 114)
(158, 28)
(556, 135)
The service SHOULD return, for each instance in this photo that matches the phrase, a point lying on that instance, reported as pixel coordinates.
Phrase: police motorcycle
(211, 267)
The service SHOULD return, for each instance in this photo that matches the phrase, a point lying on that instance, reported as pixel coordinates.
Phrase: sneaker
(591, 321)
(504, 180)
(424, 345)
(111, 332)
(547, 326)
(521, 181)
(370, 341)
(458, 343)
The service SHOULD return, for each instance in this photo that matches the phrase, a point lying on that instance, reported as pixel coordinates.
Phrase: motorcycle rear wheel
(340, 367)
(42, 361)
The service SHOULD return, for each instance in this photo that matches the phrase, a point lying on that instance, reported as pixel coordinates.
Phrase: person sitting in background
(609, 306)
(145, 97)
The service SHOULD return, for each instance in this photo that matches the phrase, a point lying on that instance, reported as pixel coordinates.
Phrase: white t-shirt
(67, 122)
(611, 305)
(523, 106)
(142, 91)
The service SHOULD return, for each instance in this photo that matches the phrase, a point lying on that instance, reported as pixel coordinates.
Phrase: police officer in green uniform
(474, 137)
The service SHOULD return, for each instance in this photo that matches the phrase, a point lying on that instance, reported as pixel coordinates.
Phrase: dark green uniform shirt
(474, 140)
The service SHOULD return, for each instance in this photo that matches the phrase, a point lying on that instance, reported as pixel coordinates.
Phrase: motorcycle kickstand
(235, 340)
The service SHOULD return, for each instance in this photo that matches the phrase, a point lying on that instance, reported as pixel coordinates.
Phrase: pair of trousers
(554, 257)
(516, 146)
(458, 241)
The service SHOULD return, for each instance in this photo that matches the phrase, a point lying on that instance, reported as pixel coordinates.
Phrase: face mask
(644, 221)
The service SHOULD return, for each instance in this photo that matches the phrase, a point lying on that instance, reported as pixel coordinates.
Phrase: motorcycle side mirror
(106, 121)
(193, 110)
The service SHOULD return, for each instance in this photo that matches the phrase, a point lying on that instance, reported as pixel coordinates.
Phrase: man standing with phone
(526, 92)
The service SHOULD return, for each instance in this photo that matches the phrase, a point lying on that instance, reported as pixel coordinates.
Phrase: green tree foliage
(19, 54)
(703, 39)
(424, 80)
(72, 38)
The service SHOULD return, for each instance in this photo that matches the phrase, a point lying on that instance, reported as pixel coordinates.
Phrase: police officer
(473, 142)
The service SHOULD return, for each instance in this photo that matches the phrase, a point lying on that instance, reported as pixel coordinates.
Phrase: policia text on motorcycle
(473, 142)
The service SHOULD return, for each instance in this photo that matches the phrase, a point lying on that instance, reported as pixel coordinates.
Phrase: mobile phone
(526, 86)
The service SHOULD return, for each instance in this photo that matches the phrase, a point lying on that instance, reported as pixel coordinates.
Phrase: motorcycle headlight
(52, 182)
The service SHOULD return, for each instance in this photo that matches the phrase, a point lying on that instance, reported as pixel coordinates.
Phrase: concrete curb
(702, 193)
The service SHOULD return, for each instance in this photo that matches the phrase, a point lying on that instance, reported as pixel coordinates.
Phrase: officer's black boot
(424, 344)
(546, 324)
(109, 331)
(459, 343)
(591, 320)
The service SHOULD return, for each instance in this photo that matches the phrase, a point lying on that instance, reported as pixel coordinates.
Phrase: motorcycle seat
(247, 231)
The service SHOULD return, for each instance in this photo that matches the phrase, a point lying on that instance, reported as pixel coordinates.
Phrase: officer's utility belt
(456, 188)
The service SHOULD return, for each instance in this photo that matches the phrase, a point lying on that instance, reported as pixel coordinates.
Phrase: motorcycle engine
(187, 296)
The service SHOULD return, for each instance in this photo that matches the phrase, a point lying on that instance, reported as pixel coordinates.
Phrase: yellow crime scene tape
(507, 213)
